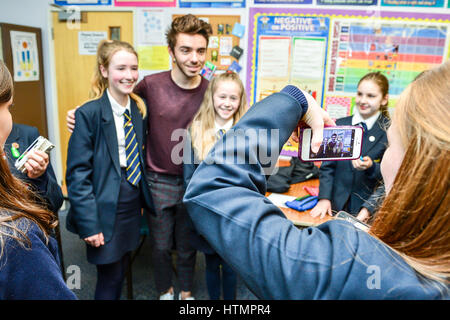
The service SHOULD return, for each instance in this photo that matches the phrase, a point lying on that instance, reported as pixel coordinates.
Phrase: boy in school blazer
(340, 181)
(95, 215)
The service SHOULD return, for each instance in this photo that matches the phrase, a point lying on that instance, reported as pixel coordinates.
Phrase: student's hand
(316, 118)
(363, 215)
(96, 240)
(322, 208)
(36, 164)
(365, 164)
(71, 119)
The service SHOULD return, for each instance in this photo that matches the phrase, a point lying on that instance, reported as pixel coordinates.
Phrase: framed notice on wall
(25, 56)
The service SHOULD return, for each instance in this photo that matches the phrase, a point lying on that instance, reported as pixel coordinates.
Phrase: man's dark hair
(189, 24)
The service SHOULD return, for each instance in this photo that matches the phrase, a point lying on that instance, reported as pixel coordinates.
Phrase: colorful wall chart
(326, 52)
(282, 50)
(25, 56)
(399, 49)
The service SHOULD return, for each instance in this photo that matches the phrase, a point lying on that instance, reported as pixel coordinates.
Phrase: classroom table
(300, 219)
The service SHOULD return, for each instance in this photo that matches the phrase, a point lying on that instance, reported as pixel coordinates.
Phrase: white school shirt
(357, 118)
(227, 126)
(118, 112)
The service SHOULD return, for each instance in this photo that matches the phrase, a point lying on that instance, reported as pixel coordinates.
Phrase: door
(74, 70)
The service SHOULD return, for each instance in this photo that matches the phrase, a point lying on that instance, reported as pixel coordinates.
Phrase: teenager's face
(189, 54)
(226, 100)
(369, 98)
(392, 158)
(5, 121)
(122, 73)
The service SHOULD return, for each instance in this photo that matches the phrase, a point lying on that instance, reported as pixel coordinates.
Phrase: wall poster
(290, 49)
(326, 54)
(25, 56)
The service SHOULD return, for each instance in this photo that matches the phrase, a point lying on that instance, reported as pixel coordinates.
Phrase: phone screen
(339, 143)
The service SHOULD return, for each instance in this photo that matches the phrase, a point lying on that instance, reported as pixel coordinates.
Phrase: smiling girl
(105, 167)
(345, 185)
(222, 107)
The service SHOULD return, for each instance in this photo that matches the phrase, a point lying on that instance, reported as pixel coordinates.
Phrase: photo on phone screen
(339, 143)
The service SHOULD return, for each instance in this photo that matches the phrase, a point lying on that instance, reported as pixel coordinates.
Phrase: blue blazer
(275, 259)
(339, 181)
(93, 168)
(46, 185)
(31, 272)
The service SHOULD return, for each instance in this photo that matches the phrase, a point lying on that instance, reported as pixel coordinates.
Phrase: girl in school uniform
(105, 167)
(345, 185)
(223, 105)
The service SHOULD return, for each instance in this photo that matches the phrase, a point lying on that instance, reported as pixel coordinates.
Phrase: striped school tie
(131, 151)
(364, 126)
(220, 133)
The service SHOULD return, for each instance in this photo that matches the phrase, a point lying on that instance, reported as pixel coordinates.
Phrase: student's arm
(326, 178)
(79, 176)
(227, 205)
(47, 185)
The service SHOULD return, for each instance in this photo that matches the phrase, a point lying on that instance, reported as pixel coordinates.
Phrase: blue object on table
(304, 204)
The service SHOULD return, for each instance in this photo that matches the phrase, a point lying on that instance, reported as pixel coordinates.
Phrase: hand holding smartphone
(339, 143)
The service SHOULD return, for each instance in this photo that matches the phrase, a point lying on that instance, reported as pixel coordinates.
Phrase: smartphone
(348, 217)
(339, 143)
(41, 144)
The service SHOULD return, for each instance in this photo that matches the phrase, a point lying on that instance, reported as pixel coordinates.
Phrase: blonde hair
(202, 128)
(105, 51)
(414, 218)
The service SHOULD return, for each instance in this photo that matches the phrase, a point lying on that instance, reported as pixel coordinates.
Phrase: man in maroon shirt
(172, 97)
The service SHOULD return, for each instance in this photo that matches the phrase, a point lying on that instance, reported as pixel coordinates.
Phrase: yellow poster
(153, 58)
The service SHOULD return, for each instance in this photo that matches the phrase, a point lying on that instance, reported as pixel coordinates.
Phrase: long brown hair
(414, 218)
(105, 51)
(202, 126)
(16, 200)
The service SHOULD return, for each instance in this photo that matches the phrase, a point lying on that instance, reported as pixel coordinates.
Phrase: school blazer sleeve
(46, 185)
(227, 204)
(79, 174)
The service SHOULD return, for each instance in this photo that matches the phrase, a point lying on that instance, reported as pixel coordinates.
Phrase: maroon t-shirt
(169, 107)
